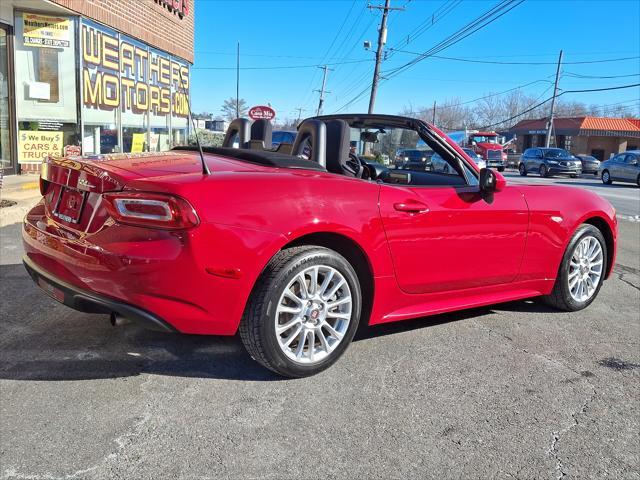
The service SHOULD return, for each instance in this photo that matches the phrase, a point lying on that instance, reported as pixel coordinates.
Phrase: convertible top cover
(260, 157)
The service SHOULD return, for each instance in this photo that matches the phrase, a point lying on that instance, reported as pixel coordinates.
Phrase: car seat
(338, 145)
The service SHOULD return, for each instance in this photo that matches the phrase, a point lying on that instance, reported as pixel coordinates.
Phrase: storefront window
(100, 89)
(135, 99)
(180, 103)
(45, 79)
(5, 119)
(160, 101)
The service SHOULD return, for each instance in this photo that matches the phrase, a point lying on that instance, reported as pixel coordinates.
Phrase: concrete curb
(15, 213)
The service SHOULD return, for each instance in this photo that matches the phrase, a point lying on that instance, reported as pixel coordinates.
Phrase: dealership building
(92, 77)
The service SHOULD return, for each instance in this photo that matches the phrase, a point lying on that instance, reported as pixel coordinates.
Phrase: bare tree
(229, 108)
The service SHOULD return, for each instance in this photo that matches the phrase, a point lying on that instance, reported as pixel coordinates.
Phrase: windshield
(557, 153)
(484, 139)
(470, 152)
(388, 145)
(280, 136)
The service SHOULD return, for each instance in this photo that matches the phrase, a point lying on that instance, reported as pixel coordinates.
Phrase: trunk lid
(72, 186)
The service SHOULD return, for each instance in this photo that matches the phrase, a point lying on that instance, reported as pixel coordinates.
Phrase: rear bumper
(167, 274)
(90, 302)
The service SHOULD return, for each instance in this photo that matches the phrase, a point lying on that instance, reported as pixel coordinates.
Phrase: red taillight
(44, 186)
(157, 210)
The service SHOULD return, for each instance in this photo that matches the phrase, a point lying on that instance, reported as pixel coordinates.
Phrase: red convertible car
(293, 247)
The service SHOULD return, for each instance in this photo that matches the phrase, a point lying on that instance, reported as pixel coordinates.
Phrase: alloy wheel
(585, 269)
(313, 314)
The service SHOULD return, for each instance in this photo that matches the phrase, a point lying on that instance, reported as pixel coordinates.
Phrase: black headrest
(314, 132)
(240, 127)
(262, 130)
(338, 143)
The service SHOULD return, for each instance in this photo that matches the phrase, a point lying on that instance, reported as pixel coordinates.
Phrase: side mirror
(491, 181)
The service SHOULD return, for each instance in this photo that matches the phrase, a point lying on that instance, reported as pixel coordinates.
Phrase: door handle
(411, 207)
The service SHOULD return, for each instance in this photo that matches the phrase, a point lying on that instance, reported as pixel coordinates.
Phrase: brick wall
(145, 20)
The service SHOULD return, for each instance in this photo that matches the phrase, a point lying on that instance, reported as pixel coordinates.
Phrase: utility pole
(322, 91)
(433, 120)
(300, 110)
(238, 82)
(553, 103)
(382, 39)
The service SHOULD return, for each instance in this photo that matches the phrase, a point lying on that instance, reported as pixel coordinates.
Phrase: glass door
(7, 165)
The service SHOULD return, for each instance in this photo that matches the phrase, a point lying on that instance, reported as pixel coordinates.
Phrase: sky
(282, 42)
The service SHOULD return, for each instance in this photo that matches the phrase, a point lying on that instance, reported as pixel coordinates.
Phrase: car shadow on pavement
(45, 341)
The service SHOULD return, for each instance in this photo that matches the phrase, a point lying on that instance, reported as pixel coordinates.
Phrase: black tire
(501, 169)
(257, 329)
(522, 169)
(560, 297)
(573, 176)
(606, 177)
(638, 181)
(543, 171)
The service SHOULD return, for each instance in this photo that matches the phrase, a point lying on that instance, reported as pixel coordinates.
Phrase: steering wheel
(354, 165)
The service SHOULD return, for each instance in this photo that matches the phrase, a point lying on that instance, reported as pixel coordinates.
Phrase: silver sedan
(624, 167)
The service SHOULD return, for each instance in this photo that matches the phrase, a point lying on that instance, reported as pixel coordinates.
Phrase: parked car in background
(413, 159)
(477, 158)
(624, 167)
(282, 136)
(589, 164)
(549, 161)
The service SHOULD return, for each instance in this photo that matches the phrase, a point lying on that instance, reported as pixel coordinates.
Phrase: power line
(560, 94)
(285, 67)
(479, 23)
(499, 62)
(576, 75)
(620, 87)
(438, 14)
(309, 91)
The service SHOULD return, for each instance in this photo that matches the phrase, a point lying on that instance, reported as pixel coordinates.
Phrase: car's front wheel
(523, 170)
(303, 311)
(581, 272)
(543, 171)
(501, 169)
(606, 177)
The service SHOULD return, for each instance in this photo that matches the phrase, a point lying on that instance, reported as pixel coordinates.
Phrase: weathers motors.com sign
(118, 72)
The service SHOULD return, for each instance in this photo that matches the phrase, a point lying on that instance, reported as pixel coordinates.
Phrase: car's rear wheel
(303, 312)
(501, 169)
(581, 272)
(606, 177)
(543, 171)
(523, 170)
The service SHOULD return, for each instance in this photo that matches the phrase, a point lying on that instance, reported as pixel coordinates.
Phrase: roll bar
(240, 127)
(316, 132)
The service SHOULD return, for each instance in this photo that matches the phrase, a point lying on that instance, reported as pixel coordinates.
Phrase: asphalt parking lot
(513, 391)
